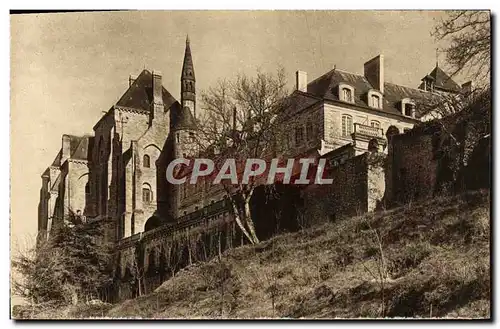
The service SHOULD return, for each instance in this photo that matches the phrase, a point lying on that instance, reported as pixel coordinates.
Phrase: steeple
(188, 81)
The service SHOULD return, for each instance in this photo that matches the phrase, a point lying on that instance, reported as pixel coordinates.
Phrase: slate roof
(187, 65)
(183, 119)
(55, 185)
(442, 80)
(80, 147)
(57, 160)
(326, 85)
(140, 94)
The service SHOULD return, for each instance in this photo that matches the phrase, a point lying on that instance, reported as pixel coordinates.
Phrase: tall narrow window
(191, 137)
(347, 95)
(375, 124)
(309, 131)
(146, 195)
(146, 161)
(376, 101)
(409, 109)
(299, 135)
(346, 125)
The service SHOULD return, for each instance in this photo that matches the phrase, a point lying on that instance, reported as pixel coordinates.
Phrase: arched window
(375, 124)
(391, 131)
(146, 161)
(375, 99)
(346, 125)
(346, 93)
(373, 145)
(409, 109)
(147, 194)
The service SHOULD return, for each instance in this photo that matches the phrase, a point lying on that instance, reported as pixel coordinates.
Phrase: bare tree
(469, 35)
(239, 122)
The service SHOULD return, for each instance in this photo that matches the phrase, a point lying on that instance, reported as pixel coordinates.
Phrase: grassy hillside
(435, 254)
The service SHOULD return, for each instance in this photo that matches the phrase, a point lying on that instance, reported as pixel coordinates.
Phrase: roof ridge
(325, 74)
(398, 85)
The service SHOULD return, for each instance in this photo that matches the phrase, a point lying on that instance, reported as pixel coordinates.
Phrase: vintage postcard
(250, 165)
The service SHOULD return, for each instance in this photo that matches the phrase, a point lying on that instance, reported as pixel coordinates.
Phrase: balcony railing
(368, 130)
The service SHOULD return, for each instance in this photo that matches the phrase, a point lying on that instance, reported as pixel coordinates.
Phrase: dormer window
(375, 99)
(408, 107)
(428, 85)
(346, 93)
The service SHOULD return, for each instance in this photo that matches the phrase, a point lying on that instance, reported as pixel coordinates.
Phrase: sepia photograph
(250, 164)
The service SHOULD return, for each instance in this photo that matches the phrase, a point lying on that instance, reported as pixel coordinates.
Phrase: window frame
(372, 94)
(146, 161)
(346, 122)
(309, 131)
(372, 122)
(408, 101)
(342, 97)
(299, 134)
(147, 187)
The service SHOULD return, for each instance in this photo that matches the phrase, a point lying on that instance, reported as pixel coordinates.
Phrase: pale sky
(68, 68)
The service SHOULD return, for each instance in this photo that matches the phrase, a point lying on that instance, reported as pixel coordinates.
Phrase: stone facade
(119, 173)
(358, 187)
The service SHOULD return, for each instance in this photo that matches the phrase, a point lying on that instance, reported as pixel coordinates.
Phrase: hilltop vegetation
(427, 259)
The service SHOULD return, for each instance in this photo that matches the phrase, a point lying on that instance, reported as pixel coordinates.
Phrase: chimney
(374, 72)
(157, 95)
(467, 88)
(66, 148)
(131, 79)
(301, 81)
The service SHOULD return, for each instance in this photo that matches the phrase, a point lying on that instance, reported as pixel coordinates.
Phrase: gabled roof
(55, 185)
(442, 80)
(57, 160)
(140, 94)
(326, 87)
(80, 147)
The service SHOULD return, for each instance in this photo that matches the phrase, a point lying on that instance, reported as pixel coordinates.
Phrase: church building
(119, 173)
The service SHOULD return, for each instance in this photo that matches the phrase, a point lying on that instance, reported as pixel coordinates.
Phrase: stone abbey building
(119, 172)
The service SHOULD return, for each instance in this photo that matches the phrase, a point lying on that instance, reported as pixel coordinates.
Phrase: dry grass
(436, 256)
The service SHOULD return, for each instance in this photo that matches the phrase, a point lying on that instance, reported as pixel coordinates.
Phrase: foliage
(73, 263)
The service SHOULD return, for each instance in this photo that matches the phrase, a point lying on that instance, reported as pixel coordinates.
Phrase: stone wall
(412, 167)
(358, 186)
(144, 260)
(440, 157)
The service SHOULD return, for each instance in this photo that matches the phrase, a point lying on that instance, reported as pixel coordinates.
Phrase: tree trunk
(237, 219)
(249, 221)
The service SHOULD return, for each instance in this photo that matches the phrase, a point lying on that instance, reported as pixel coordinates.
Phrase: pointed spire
(437, 57)
(187, 66)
